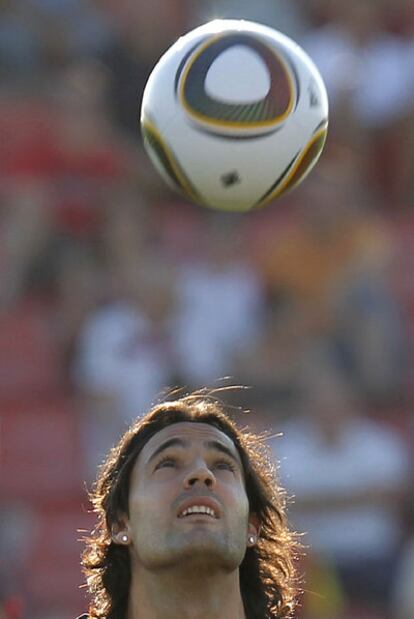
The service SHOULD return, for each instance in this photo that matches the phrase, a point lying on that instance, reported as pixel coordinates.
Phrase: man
(191, 522)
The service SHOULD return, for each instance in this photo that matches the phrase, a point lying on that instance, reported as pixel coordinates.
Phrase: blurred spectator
(143, 31)
(62, 157)
(404, 592)
(323, 596)
(79, 290)
(220, 300)
(17, 41)
(123, 360)
(328, 276)
(86, 23)
(357, 56)
(91, 155)
(38, 38)
(280, 14)
(270, 362)
(126, 231)
(349, 477)
(26, 229)
(16, 528)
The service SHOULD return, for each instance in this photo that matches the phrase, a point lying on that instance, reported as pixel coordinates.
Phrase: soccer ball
(234, 114)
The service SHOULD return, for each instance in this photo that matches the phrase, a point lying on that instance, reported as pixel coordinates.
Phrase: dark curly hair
(268, 580)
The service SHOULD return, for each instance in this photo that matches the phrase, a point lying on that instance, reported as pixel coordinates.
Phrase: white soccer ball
(234, 114)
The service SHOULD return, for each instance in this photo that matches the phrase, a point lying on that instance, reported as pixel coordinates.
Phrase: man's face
(187, 501)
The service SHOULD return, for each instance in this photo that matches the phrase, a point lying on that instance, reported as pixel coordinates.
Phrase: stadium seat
(40, 455)
(29, 356)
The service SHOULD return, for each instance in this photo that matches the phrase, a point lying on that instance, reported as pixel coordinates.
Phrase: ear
(253, 529)
(120, 532)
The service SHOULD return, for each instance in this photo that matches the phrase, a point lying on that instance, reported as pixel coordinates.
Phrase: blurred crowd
(114, 291)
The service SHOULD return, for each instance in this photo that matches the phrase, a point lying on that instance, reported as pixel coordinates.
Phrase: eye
(225, 465)
(167, 462)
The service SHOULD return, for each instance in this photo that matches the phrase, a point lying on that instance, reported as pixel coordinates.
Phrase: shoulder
(82, 617)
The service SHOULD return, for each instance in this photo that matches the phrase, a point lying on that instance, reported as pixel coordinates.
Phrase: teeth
(198, 509)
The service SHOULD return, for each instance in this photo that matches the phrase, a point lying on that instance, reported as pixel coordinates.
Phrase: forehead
(191, 432)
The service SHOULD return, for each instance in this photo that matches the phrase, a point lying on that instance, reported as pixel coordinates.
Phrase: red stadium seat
(40, 455)
(29, 356)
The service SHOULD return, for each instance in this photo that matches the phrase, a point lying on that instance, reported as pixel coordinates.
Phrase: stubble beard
(198, 551)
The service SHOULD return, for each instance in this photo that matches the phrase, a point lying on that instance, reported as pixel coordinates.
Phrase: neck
(194, 594)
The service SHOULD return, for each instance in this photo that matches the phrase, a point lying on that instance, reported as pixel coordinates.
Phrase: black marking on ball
(277, 181)
(184, 61)
(292, 66)
(323, 123)
(314, 100)
(228, 136)
(280, 99)
(230, 178)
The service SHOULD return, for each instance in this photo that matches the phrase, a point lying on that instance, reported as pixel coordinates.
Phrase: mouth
(198, 510)
(200, 507)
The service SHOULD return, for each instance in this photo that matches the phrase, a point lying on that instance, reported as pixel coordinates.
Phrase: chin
(205, 552)
(207, 563)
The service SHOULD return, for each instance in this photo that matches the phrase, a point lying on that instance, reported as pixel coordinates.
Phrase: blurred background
(114, 290)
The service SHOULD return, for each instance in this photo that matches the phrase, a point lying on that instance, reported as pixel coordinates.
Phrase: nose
(200, 475)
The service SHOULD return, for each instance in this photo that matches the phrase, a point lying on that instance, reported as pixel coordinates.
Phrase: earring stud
(251, 540)
(124, 538)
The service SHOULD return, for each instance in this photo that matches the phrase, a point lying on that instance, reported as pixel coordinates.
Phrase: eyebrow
(171, 442)
(179, 442)
(223, 449)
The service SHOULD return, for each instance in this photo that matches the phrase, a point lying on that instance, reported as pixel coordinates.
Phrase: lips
(204, 506)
